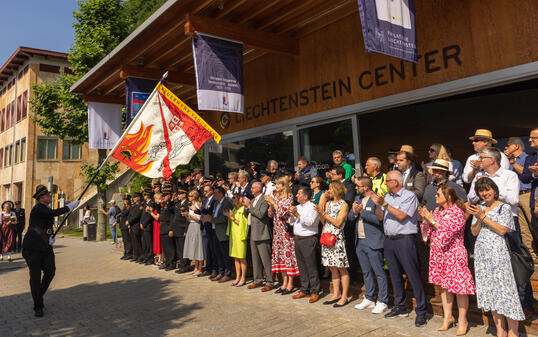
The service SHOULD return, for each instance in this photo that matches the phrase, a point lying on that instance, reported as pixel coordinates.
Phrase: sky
(43, 24)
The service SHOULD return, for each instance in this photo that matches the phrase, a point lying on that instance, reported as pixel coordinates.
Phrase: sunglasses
(431, 150)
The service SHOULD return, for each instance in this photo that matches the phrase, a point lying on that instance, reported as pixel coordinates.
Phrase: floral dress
(495, 284)
(7, 233)
(448, 257)
(283, 257)
(336, 255)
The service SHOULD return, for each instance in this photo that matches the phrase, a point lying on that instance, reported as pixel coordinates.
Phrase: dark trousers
(525, 292)
(169, 250)
(221, 254)
(306, 253)
(127, 247)
(18, 237)
(136, 241)
(148, 245)
(180, 245)
(371, 262)
(38, 261)
(207, 241)
(401, 255)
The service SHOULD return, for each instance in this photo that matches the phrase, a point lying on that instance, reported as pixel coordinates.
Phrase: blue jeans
(113, 231)
(371, 262)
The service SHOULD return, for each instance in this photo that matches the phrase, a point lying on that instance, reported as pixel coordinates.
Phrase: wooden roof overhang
(17, 59)
(163, 42)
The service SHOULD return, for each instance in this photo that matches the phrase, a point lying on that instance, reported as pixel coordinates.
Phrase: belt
(298, 237)
(524, 192)
(399, 236)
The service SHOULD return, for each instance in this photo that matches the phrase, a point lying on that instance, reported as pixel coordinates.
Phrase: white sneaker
(380, 307)
(365, 304)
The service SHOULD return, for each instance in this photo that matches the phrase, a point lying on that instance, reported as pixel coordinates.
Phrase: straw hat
(483, 133)
(440, 164)
(408, 148)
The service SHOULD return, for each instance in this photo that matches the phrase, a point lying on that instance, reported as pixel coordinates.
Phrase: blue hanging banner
(388, 27)
(219, 73)
(137, 91)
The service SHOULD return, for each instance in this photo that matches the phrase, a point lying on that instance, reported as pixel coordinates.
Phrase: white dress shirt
(505, 164)
(508, 184)
(307, 225)
(269, 188)
(252, 204)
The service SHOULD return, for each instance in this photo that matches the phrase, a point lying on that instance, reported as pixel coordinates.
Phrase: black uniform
(135, 212)
(37, 252)
(166, 214)
(146, 220)
(179, 228)
(19, 227)
(127, 246)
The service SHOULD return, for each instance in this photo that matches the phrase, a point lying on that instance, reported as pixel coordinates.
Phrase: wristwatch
(385, 205)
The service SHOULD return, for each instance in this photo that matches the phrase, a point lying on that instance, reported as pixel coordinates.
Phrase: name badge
(369, 209)
(409, 184)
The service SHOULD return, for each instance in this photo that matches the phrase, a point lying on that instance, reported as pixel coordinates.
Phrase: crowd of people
(311, 224)
(12, 223)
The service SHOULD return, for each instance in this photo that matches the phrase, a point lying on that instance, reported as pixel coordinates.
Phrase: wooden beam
(104, 99)
(254, 38)
(156, 74)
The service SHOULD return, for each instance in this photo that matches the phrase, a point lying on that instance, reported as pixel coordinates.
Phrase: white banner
(104, 125)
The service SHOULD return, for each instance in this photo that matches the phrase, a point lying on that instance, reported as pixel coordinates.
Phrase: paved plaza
(94, 293)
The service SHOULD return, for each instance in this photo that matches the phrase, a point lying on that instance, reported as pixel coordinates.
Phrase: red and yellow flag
(164, 134)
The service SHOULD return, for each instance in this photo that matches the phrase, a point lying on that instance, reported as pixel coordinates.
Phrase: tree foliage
(58, 112)
(103, 175)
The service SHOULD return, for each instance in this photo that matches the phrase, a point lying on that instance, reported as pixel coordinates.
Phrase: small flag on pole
(164, 134)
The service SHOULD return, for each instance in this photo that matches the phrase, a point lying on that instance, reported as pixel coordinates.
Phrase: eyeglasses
(431, 150)
(482, 158)
(389, 180)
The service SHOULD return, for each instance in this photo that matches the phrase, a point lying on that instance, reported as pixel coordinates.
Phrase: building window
(2, 119)
(19, 107)
(8, 114)
(9, 152)
(17, 151)
(1, 157)
(71, 151)
(47, 148)
(49, 68)
(24, 104)
(23, 150)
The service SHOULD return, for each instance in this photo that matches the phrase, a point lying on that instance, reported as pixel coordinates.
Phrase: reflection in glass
(232, 156)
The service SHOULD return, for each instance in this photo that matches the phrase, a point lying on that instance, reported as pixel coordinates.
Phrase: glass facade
(232, 156)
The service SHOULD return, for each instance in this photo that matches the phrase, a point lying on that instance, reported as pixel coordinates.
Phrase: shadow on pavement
(132, 307)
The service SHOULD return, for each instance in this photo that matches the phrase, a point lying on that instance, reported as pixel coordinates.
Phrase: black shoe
(163, 266)
(420, 320)
(182, 270)
(395, 312)
(123, 257)
(38, 312)
(169, 268)
(279, 291)
(336, 305)
(148, 263)
(332, 302)
(285, 292)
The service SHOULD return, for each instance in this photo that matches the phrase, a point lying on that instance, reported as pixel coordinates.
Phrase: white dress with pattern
(334, 256)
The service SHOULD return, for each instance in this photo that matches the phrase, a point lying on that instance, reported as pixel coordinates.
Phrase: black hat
(137, 194)
(148, 191)
(8, 202)
(127, 197)
(166, 191)
(182, 189)
(39, 191)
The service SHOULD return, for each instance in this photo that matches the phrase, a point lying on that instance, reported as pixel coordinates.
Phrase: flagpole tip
(165, 75)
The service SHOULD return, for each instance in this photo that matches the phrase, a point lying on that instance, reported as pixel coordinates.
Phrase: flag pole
(165, 75)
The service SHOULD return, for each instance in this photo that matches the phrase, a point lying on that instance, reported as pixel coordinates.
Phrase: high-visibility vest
(379, 184)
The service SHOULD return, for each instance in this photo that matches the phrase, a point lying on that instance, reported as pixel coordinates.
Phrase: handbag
(327, 239)
(522, 262)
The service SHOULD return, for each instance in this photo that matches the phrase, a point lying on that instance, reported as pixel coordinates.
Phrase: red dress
(7, 234)
(283, 257)
(448, 256)
(157, 249)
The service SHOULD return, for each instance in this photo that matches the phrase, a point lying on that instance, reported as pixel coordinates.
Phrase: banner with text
(388, 27)
(104, 125)
(219, 73)
(137, 91)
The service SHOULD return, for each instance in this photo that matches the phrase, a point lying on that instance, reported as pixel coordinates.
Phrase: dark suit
(135, 212)
(166, 214)
(179, 228)
(19, 227)
(126, 237)
(210, 262)
(221, 242)
(146, 220)
(246, 190)
(369, 250)
(415, 182)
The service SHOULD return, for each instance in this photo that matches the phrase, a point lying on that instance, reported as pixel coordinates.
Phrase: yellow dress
(238, 234)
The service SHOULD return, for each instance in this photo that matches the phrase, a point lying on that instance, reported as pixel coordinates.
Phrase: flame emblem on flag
(133, 149)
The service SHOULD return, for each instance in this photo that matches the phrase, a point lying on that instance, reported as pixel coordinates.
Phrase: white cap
(112, 201)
